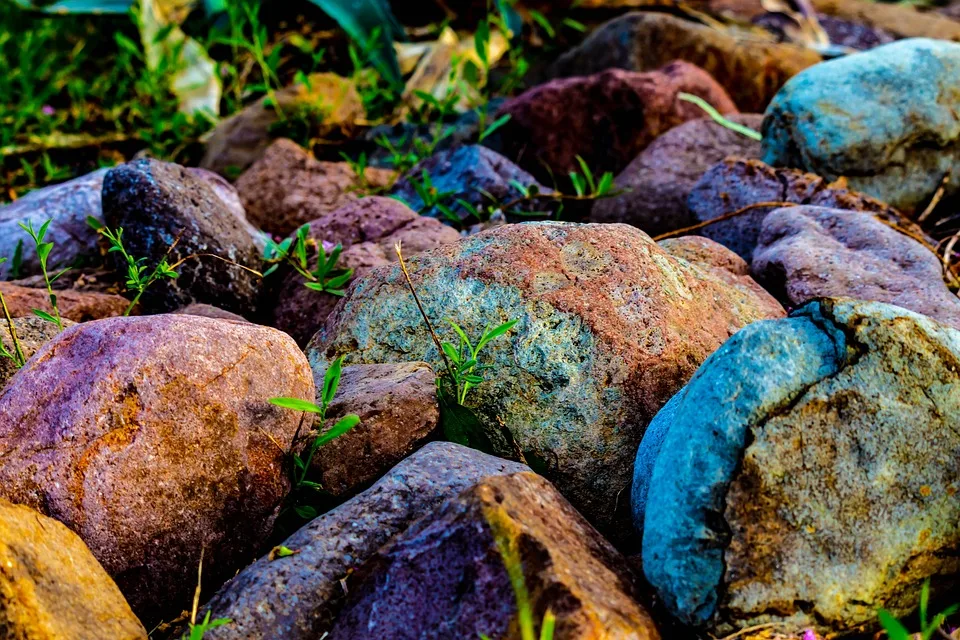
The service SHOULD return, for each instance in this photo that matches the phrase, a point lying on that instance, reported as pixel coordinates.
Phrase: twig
(726, 216)
(935, 200)
(13, 332)
(765, 625)
(196, 593)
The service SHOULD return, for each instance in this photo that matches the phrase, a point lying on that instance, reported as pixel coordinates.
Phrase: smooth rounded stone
(854, 34)
(327, 104)
(885, 118)
(900, 20)
(369, 229)
(153, 439)
(465, 173)
(712, 256)
(32, 333)
(808, 474)
(159, 204)
(299, 597)
(445, 577)
(209, 311)
(399, 413)
(816, 252)
(288, 187)
(750, 69)
(737, 183)
(604, 339)
(79, 306)
(658, 182)
(51, 586)
(67, 206)
(607, 118)
(228, 193)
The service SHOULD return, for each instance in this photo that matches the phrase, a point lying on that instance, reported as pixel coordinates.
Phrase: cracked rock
(815, 490)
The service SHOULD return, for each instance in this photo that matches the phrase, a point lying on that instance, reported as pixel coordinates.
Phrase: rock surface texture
(153, 438)
(603, 340)
(32, 333)
(817, 489)
(886, 119)
(79, 306)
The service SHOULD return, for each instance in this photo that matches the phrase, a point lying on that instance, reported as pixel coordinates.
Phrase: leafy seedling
(586, 186)
(43, 250)
(928, 626)
(295, 252)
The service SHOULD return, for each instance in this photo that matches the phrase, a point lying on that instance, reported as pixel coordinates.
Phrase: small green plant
(199, 629)
(465, 368)
(301, 463)
(718, 117)
(432, 197)
(294, 251)
(586, 186)
(928, 626)
(404, 155)
(43, 250)
(17, 354)
(139, 275)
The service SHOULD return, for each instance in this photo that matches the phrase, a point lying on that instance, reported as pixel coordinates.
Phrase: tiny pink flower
(48, 110)
(810, 635)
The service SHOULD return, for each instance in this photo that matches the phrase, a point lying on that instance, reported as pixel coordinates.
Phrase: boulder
(298, 597)
(79, 306)
(815, 252)
(153, 439)
(807, 474)
(885, 118)
(900, 20)
(67, 206)
(209, 311)
(288, 187)
(227, 193)
(32, 333)
(445, 577)
(51, 586)
(738, 183)
(166, 211)
(750, 69)
(854, 34)
(719, 261)
(606, 118)
(656, 185)
(603, 340)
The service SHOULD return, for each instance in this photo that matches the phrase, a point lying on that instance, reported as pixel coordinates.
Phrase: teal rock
(604, 338)
(886, 119)
(807, 474)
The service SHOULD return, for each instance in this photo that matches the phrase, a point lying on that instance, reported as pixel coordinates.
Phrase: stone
(738, 183)
(299, 597)
(606, 118)
(901, 21)
(445, 578)
(750, 69)
(67, 206)
(153, 439)
(327, 104)
(209, 311)
(162, 205)
(603, 340)
(722, 263)
(818, 488)
(854, 34)
(886, 119)
(288, 187)
(465, 173)
(398, 410)
(816, 252)
(227, 193)
(368, 229)
(32, 333)
(79, 306)
(52, 588)
(658, 182)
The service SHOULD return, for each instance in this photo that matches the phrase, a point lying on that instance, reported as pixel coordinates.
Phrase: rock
(67, 206)
(326, 104)
(607, 118)
(368, 229)
(818, 488)
(814, 252)
(465, 173)
(603, 340)
(52, 588)
(288, 187)
(152, 438)
(32, 333)
(738, 183)
(209, 311)
(902, 21)
(888, 121)
(445, 577)
(299, 597)
(718, 260)
(751, 70)
(158, 202)
(854, 34)
(397, 406)
(79, 306)
(658, 182)
(228, 193)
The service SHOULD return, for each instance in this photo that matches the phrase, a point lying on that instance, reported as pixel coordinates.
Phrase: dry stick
(196, 593)
(726, 216)
(935, 200)
(765, 625)
(947, 252)
(13, 332)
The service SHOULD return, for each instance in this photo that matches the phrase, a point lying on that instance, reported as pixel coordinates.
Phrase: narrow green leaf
(331, 380)
(892, 626)
(46, 316)
(341, 427)
(495, 333)
(296, 404)
(718, 118)
(548, 626)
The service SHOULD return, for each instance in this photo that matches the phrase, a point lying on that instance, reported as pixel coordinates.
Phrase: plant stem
(21, 360)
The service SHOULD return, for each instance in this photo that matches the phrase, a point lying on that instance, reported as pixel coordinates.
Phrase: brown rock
(227, 192)
(750, 69)
(397, 406)
(414, 587)
(329, 104)
(152, 438)
(51, 586)
(288, 187)
(900, 20)
(658, 182)
(32, 333)
(607, 118)
(79, 306)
